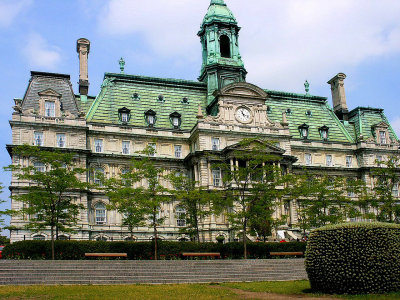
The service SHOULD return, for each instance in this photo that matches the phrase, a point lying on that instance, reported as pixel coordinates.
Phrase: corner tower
(222, 63)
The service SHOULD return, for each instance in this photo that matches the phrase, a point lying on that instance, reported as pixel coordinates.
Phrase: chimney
(339, 96)
(83, 49)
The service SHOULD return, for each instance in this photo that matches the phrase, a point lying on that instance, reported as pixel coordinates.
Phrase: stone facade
(212, 116)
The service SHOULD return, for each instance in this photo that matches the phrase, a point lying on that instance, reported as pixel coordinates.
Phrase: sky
(282, 43)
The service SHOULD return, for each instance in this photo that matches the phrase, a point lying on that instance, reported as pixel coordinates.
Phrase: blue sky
(282, 43)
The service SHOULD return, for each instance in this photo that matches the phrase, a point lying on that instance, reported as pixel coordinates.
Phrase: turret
(222, 63)
(83, 49)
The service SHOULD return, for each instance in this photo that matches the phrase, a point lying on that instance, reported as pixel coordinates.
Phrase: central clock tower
(219, 35)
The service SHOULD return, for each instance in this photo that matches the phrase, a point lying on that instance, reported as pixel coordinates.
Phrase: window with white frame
(215, 143)
(382, 137)
(38, 138)
(126, 147)
(39, 237)
(49, 107)
(124, 117)
(329, 162)
(98, 173)
(216, 176)
(308, 159)
(153, 146)
(349, 161)
(180, 215)
(98, 146)
(61, 140)
(395, 190)
(178, 151)
(100, 213)
(39, 166)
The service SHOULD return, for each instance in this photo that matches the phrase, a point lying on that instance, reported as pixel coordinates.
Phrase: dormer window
(288, 111)
(124, 115)
(323, 131)
(161, 98)
(175, 118)
(269, 109)
(303, 129)
(50, 110)
(150, 117)
(309, 113)
(382, 137)
(185, 100)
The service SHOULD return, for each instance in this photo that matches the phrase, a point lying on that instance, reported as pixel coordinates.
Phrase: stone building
(185, 121)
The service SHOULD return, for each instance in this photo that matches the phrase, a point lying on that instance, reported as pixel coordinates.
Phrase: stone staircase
(25, 272)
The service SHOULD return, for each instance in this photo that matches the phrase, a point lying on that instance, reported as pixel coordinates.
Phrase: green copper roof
(140, 94)
(306, 109)
(365, 118)
(218, 11)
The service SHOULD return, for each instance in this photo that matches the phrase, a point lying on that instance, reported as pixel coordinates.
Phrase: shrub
(354, 258)
(140, 250)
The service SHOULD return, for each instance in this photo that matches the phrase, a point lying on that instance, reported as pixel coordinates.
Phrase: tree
(51, 179)
(125, 198)
(196, 201)
(251, 185)
(150, 196)
(321, 200)
(384, 194)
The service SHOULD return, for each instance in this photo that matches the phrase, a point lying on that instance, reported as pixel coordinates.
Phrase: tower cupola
(222, 62)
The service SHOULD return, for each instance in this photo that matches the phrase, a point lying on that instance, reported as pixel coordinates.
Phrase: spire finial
(307, 86)
(220, 2)
(122, 65)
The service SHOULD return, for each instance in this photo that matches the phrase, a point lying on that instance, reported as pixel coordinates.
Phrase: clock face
(243, 114)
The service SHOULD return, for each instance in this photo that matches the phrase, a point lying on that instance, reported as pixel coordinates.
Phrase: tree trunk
(244, 238)
(52, 242)
(155, 237)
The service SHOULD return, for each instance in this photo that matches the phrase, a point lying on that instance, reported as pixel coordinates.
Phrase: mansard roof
(140, 94)
(365, 120)
(57, 84)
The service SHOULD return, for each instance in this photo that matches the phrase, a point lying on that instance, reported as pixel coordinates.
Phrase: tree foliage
(49, 189)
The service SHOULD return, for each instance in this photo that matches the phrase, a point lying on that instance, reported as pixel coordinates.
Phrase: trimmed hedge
(71, 250)
(354, 258)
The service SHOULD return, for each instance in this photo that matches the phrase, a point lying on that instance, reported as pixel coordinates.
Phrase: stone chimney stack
(339, 96)
(83, 49)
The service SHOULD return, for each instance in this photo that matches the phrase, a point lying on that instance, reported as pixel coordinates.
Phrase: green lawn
(183, 291)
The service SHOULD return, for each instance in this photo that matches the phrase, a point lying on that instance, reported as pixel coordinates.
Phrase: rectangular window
(178, 151)
(154, 147)
(395, 190)
(49, 107)
(216, 175)
(39, 166)
(98, 146)
(379, 159)
(124, 117)
(329, 162)
(349, 161)
(215, 143)
(126, 147)
(61, 140)
(382, 137)
(308, 159)
(38, 138)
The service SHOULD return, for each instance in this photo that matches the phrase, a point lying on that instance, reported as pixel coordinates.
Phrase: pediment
(256, 145)
(49, 93)
(243, 89)
(381, 125)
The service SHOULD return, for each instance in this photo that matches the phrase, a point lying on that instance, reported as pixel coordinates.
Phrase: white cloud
(40, 54)
(282, 42)
(9, 10)
(396, 125)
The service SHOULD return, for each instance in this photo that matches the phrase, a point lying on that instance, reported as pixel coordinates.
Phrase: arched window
(225, 46)
(101, 238)
(62, 237)
(180, 214)
(39, 237)
(100, 213)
